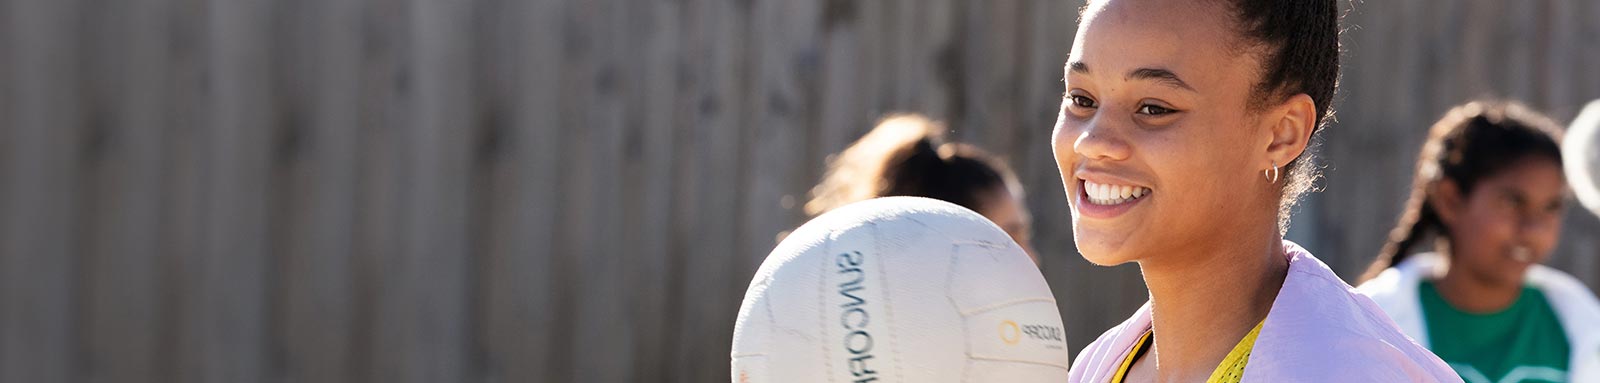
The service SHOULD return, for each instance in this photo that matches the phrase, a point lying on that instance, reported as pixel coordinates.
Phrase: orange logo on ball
(1010, 332)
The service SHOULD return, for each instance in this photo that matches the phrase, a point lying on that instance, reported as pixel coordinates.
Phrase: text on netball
(854, 318)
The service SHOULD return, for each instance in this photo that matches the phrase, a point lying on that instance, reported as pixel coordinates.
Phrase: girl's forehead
(1186, 37)
(1196, 22)
(1533, 176)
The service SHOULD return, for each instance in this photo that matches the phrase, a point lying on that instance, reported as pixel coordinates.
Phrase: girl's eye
(1081, 101)
(1154, 110)
(1514, 200)
(1554, 207)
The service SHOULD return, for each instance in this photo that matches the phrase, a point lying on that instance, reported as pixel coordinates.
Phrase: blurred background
(577, 190)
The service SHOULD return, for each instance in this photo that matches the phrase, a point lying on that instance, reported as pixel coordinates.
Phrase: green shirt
(1523, 343)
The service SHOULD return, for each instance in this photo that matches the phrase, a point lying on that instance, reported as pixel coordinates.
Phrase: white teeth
(1104, 194)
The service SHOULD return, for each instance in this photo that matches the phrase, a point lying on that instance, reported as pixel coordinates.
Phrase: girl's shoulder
(1558, 285)
(1572, 300)
(1099, 359)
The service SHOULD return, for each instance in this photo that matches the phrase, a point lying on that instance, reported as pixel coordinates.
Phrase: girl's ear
(1447, 200)
(1295, 120)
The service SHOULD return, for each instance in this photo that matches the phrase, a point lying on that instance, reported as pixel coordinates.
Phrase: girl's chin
(1106, 261)
(1103, 252)
(1504, 275)
(1515, 273)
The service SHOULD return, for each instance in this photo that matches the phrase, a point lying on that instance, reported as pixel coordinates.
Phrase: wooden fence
(572, 190)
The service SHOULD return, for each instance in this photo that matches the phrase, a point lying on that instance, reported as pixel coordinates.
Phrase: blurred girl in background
(1489, 191)
(907, 155)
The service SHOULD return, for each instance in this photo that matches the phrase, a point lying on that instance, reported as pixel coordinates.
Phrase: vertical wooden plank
(840, 113)
(994, 74)
(978, 31)
(319, 190)
(388, 85)
(598, 78)
(937, 45)
(1520, 40)
(568, 119)
(1447, 71)
(37, 202)
(1554, 71)
(570, 223)
(647, 150)
(1478, 64)
(875, 63)
(421, 311)
(180, 352)
(220, 328)
(524, 191)
(124, 182)
(707, 174)
(903, 62)
(384, 82)
(1587, 53)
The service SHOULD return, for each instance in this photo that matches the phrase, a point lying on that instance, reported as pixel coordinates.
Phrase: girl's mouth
(1522, 254)
(1111, 194)
(1105, 201)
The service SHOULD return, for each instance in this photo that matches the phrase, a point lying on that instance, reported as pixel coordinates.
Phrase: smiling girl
(1182, 145)
(1489, 192)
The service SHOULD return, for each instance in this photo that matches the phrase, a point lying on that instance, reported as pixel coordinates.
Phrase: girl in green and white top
(1490, 192)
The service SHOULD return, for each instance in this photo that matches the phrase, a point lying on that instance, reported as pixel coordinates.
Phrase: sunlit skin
(1506, 223)
(1157, 96)
(1006, 209)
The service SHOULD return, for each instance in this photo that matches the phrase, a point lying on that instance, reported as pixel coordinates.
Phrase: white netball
(1581, 149)
(899, 289)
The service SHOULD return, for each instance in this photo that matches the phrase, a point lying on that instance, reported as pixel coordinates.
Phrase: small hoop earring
(1271, 174)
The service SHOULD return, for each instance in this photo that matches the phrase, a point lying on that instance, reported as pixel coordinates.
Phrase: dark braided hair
(1472, 142)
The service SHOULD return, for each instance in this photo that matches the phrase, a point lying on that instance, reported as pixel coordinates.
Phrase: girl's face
(1156, 146)
(1508, 221)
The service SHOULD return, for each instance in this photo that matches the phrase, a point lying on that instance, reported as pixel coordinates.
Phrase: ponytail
(1418, 222)
(907, 155)
(908, 169)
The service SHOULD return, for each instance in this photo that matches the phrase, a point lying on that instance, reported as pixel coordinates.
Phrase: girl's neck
(1205, 301)
(1471, 293)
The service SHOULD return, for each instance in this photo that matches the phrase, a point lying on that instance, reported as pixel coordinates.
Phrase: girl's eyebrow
(1516, 196)
(1162, 76)
(1078, 67)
